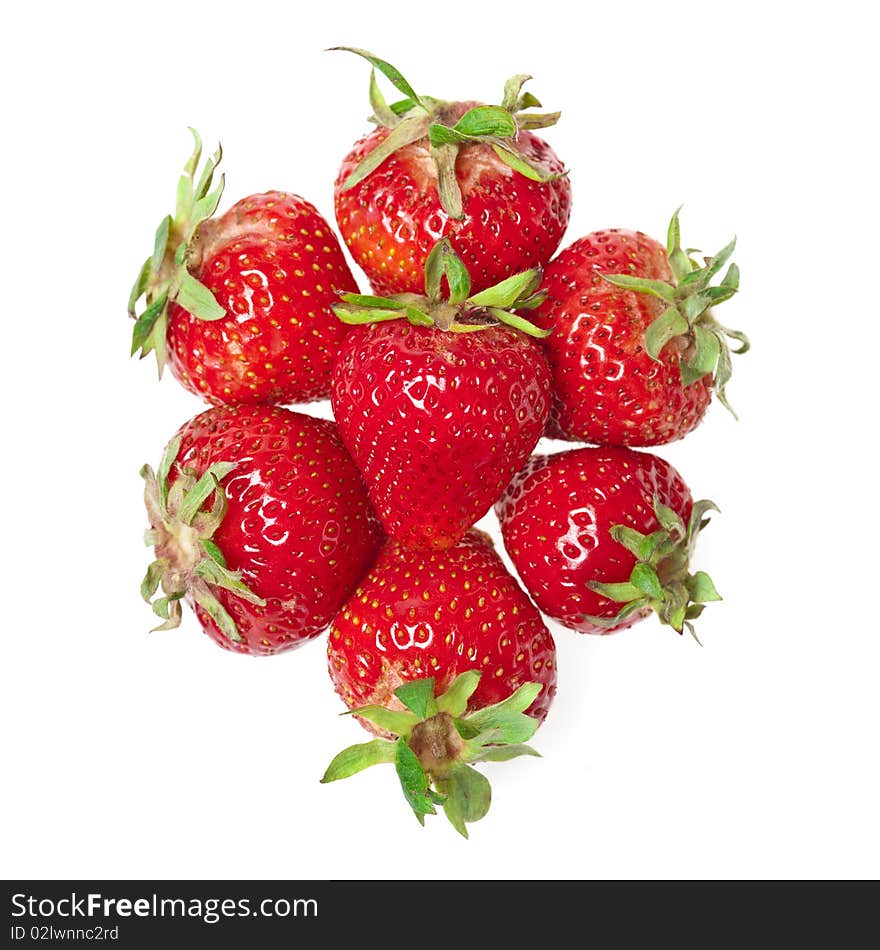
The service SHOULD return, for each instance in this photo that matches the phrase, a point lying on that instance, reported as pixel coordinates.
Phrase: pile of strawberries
(275, 525)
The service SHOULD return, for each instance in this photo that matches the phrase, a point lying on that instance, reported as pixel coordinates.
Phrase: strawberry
(636, 350)
(260, 519)
(602, 536)
(240, 305)
(440, 403)
(476, 173)
(439, 614)
(435, 744)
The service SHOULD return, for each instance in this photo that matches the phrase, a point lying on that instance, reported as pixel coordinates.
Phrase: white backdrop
(162, 756)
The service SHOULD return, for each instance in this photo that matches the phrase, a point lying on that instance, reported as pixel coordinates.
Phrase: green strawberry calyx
(165, 276)
(459, 311)
(436, 743)
(688, 317)
(417, 117)
(661, 580)
(188, 561)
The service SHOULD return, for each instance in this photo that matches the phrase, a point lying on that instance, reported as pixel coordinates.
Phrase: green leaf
(689, 375)
(395, 721)
(503, 728)
(390, 72)
(642, 285)
(509, 291)
(486, 120)
(628, 609)
(413, 781)
(519, 323)
(418, 318)
(213, 552)
(366, 315)
(536, 120)
(205, 206)
(219, 576)
(139, 288)
(634, 541)
(504, 753)
(518, 702)
(518, 162)
(731, 278)
(365, 300)
(718, 295)
(204, 185)
(162, 606)
(217, 612)
(439, 135)
(678, 260)
(701, 588)
(169, 609)
(620, 593)
(698, 518)
(669, 519)
(418, 696)
(457, 277)
(203, 489)
(147, 323)
(161, 242)
(744, 343)
(454, 701)
(715, 263)
(443, 261)
(434, 269)
(468, 797)
(666, 327)
(196, 299)
(645, 579)
(168, 457)
(692, 307)
(456, 327)
(185, 194)
(527, 101)
(512, 89)
(447, 183)
(410, 130)
(707, 348)
(150, 583)
(384, 114)
(356, 758)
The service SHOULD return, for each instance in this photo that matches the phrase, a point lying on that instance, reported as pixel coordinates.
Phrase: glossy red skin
(438, 422)
(607, 390)
(298, 524)
(556, 516)
(275, 265)
(439, 614)
(392, 219)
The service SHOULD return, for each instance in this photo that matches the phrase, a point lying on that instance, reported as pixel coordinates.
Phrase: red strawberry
(240, 305)
(439, 614)
(473, 172)
(435, 745)
(635, 350)
(439, 408)
(602, 536)
(260, 519)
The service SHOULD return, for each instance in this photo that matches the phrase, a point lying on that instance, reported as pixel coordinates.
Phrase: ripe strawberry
(435, 743)
(439, 614)
(441, 407)
(260, 519)
(602, 536)
(474, 172)
(240, 305)
(635, 350)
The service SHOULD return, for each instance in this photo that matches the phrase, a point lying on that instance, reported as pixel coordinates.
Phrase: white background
(162, 756)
